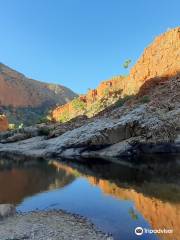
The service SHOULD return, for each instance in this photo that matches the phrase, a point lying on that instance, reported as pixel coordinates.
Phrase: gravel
(49, 225)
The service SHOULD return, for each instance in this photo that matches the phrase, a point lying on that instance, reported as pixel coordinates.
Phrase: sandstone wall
(18, 91)
(160, 59)
(3, 123)
(92, 96)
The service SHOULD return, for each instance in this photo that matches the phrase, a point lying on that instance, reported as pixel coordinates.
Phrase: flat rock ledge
(49, 225)
(120, 136)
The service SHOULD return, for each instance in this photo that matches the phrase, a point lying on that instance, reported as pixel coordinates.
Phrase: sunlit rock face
(93, 95)
(16, 90)
(160, 60)
(26, 100)
(3, 123)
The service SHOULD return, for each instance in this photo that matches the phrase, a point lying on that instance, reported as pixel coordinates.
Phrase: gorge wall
(16, 90)
(160, 60)
(3, 123)
(25, 100)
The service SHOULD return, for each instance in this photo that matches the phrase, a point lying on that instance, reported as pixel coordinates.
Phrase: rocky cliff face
(160, 60)
(18, 91)
(147, 124)
(107, 92)
(3, 123)
(18, 94)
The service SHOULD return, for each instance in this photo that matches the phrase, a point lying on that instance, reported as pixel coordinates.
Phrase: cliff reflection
(18, 183)
(159, 214)
(159, 203)
(155, 196)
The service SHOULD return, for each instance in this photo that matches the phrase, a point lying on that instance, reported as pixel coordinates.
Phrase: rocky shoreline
(120, 137)
(46, 225)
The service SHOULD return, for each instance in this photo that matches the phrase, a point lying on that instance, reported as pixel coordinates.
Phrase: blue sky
(79, 43)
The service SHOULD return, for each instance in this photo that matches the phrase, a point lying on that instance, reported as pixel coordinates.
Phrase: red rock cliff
(3, 123)
(160, 59)
(18, 91)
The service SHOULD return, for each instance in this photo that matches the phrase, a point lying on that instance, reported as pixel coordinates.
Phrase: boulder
(7, 210)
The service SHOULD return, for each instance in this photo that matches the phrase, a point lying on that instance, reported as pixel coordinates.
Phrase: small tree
(127, 63)
(64, 117)
(106, 92)
(21, 126)
(12, 126)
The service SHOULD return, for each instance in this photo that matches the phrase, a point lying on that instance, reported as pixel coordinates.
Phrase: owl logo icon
(138, 231)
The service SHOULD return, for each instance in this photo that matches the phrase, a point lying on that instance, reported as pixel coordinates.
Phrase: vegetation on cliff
(159, 62)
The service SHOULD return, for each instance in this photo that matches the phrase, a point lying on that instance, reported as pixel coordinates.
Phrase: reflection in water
(159, 213)
(18, 183)
(126, 193)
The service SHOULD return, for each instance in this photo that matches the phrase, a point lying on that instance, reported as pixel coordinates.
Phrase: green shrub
(44, 131)
(121, 101)
(64, 117)
(44, 119)
(145, 99)
(21, 126)
(106, 92)
(127, 63)
(94, 108)
(78, 104)
(12, 126)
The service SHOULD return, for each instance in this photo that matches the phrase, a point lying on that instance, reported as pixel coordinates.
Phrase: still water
(116, 198)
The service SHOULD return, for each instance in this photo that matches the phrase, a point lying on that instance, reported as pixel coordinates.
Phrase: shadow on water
(116, 197)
